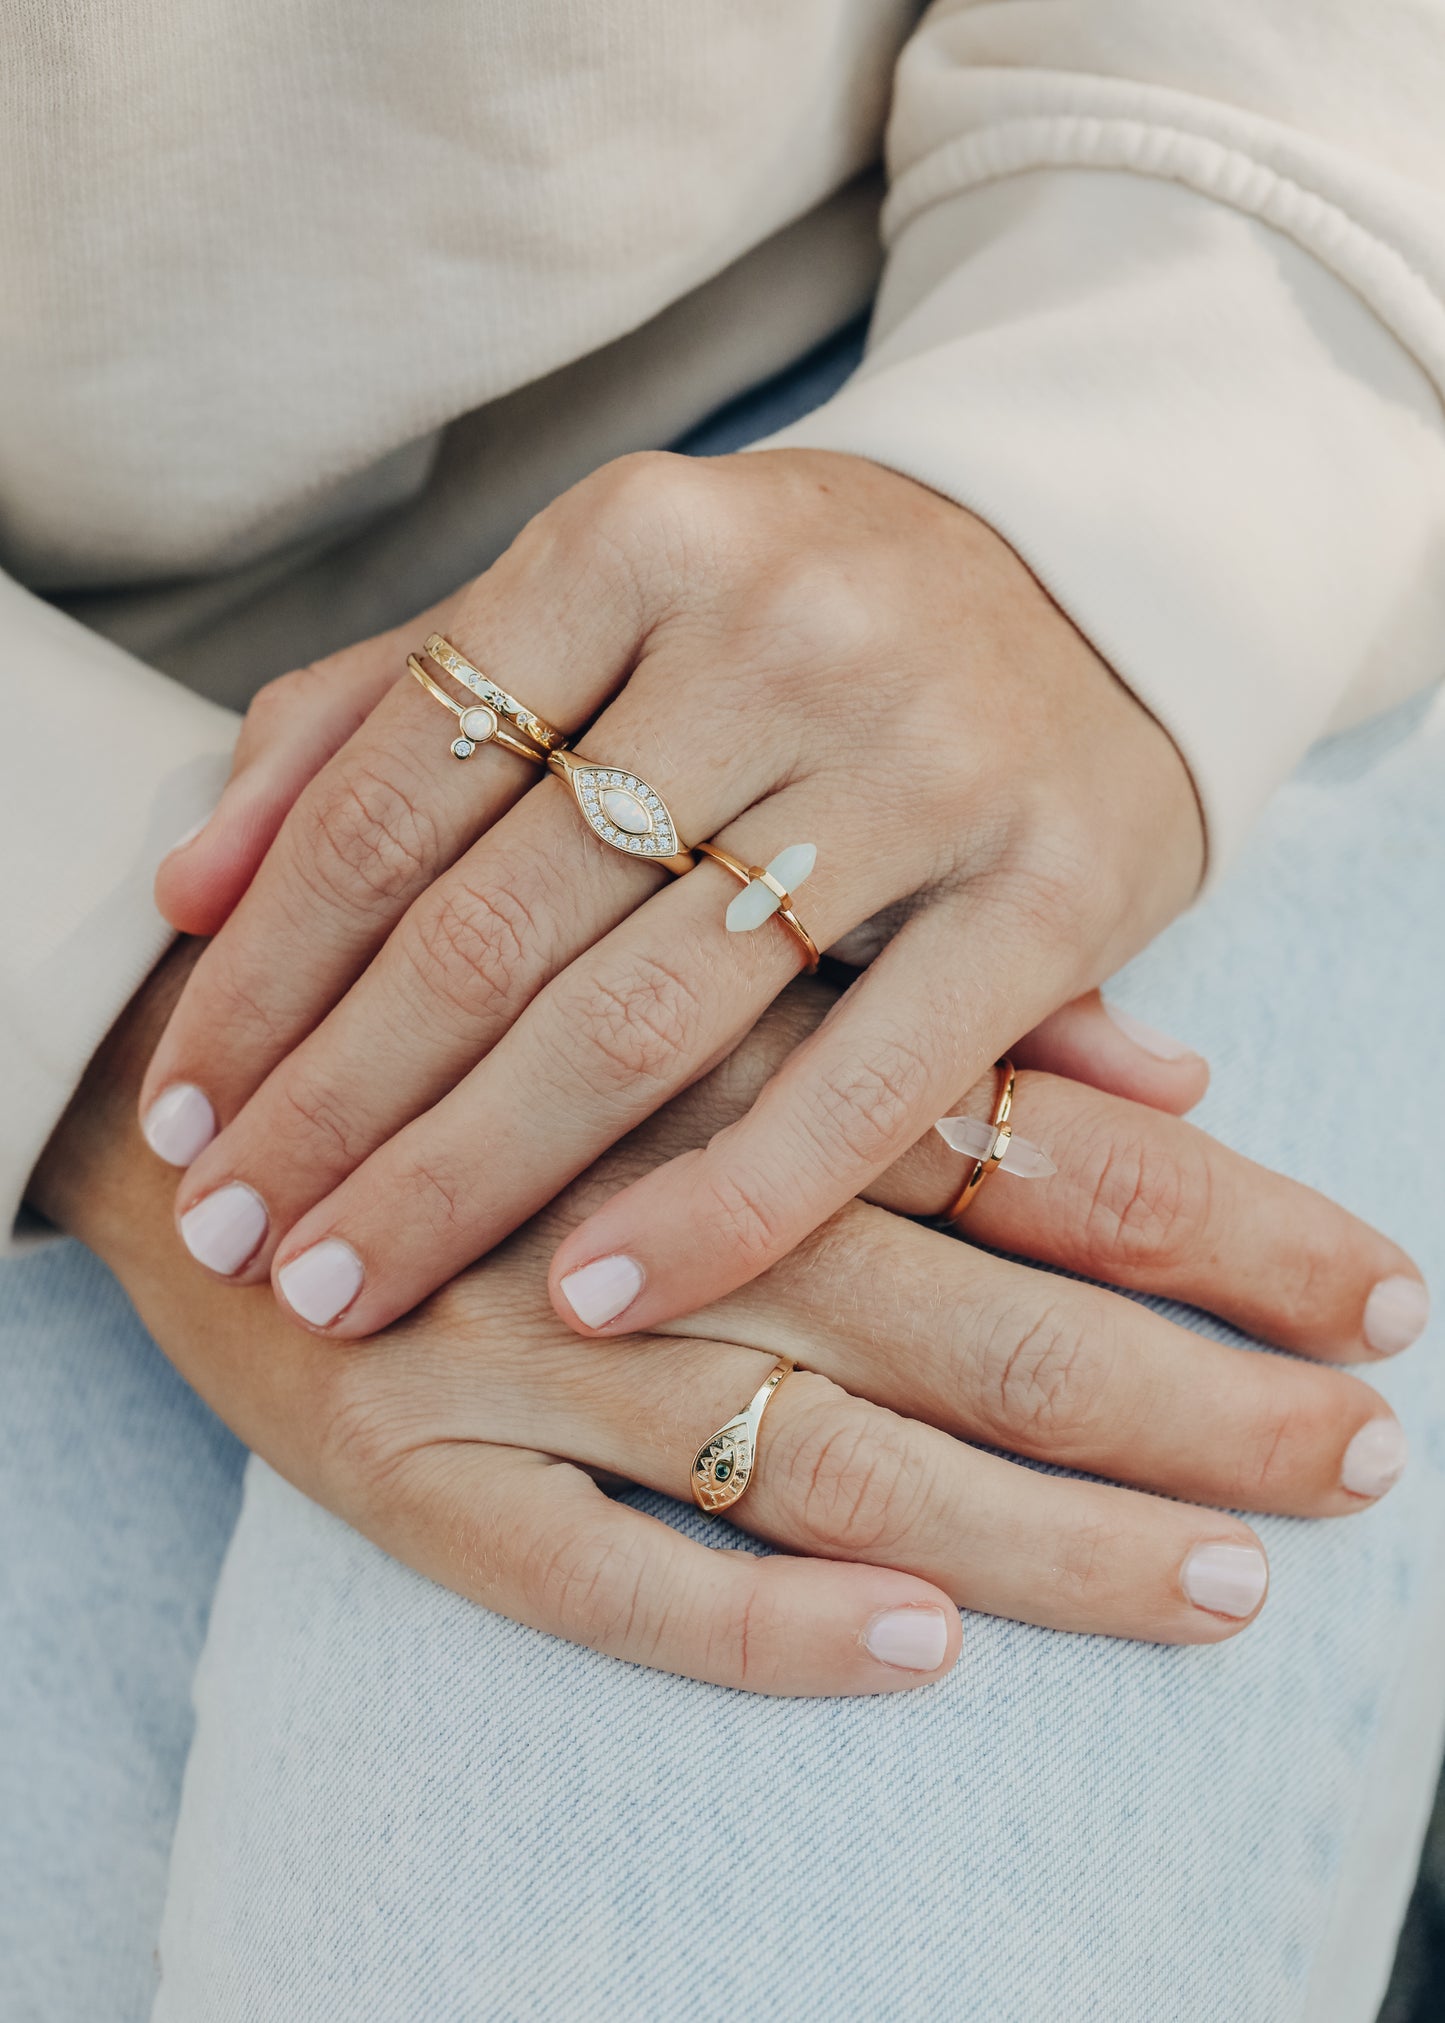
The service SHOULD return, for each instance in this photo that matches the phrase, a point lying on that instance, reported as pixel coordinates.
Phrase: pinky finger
(537, 1540)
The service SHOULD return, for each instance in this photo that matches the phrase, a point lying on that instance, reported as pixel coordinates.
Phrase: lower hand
(441, 998)
(468, 1440)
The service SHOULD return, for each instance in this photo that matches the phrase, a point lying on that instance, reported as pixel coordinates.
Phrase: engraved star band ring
(723, 1467)
(765, 892)
(535, 729)
(1002, 1131)
(477, 723)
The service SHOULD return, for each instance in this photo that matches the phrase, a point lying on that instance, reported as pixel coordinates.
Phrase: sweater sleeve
(1165, 305)
(107, 765)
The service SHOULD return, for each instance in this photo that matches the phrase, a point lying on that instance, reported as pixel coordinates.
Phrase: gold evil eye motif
(722, 1469)
(624, 812)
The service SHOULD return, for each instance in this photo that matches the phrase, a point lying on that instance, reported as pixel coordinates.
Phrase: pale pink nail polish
(1224, 1578)
(1375, 1459)
(1396, 1314)
(179, 1124)
(226, 1228)
(600, 1291)
(320, 1283)
(1147, 1037)
(912, 1640)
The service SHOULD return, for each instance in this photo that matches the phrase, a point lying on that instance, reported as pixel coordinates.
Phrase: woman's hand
(467, 1439)
(793, 648)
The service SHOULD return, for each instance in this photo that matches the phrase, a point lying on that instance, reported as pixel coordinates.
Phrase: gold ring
(751, 875)
(477, 722)
(1002, 1130)
(541, 733)
(723, 1467)
(622, 811)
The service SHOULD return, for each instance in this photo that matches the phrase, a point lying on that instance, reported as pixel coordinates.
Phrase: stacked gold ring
(477, 722)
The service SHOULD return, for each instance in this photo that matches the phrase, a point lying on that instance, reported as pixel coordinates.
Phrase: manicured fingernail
(1226, 1579)
(226, 1228)
(321, 1282)
(913, 1640)
(1395, 1314)
(179, 1124)
(185, 842)
(1153, 1042)
(598, 1292)
(1375, 1459)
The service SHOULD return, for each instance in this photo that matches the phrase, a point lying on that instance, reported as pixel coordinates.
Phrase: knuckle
(473, 946)
(592, 1591)
(811, 611)
(748, 1224)
(1044, 1388)
(867, 1106)
(310, 1111)
(636, 1027)
(857, 1477)
(435, 1193)
(366, 838)
(255, 1023)
(1143, 1207)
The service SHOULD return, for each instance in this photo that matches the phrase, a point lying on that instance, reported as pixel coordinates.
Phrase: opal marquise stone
(625, 812)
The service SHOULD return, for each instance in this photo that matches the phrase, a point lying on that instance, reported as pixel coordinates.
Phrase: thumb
(294, 725)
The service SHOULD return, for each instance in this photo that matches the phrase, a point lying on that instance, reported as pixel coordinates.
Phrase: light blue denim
(399, 1809)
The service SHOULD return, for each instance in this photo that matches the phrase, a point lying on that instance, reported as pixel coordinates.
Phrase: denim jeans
(391, 1807)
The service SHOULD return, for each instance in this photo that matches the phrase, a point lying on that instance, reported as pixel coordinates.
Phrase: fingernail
(913, 1640)
(1226, 1579)
(321, 1282)
(184, 842)
(1152, 1041)
(1395, 1314)
(179, 1124)
(1375, 1459)
(226, 1228)
(598, 1292)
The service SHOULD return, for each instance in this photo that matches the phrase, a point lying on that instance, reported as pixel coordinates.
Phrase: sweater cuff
(1212, 455)
(106, 766)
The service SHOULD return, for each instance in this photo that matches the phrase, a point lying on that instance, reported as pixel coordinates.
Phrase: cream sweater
(307, 305)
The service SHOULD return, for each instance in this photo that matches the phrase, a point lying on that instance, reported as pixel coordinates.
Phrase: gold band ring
(723, 1467)
(622, 811)
(536, 728)
(1002, 1131)
(477, 722)
(752, 875)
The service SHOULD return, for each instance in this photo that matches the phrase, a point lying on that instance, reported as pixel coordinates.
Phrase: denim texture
(399, 1809)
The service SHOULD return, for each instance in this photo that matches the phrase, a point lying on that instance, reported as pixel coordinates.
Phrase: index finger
(375, 827)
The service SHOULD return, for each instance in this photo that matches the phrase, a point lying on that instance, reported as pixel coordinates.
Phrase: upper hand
(441, 998)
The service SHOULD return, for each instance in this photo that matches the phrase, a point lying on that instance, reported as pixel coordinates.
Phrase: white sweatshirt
(306, 306)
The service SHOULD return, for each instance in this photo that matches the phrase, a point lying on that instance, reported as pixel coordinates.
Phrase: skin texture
(441, 999)
(471, 1439)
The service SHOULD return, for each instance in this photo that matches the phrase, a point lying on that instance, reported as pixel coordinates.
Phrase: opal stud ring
(723, 1466)
(535, 729)
(477, 722)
